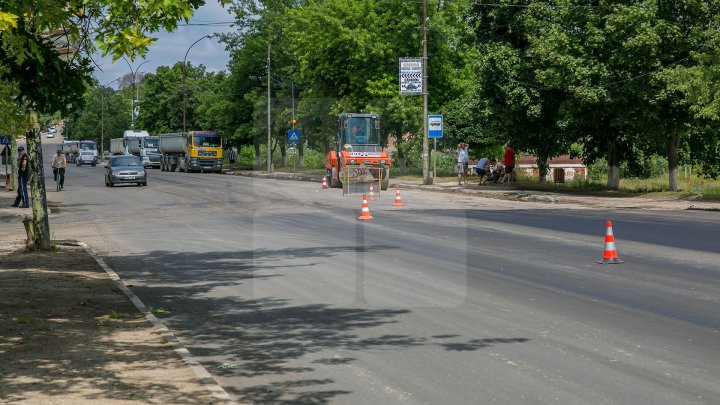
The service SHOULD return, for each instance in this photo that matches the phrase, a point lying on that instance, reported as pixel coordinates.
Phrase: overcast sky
(171, 47)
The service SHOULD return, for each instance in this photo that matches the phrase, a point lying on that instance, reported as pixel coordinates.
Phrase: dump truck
(150, 145)
(194, 151)
(131, 143)
(358, 147)
(71, 149)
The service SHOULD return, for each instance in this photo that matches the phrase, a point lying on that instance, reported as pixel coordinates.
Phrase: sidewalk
(70, 335)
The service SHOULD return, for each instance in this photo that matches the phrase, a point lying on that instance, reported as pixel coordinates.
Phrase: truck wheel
(173, 167)
(385, 183)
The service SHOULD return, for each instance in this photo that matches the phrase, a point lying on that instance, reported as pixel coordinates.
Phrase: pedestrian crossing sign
(293, 135)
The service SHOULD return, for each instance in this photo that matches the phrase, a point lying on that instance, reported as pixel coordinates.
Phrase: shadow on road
(269, 350)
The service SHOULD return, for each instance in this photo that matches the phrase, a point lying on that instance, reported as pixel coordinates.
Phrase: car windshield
(126, 161)
(88, 146)
(206, 141)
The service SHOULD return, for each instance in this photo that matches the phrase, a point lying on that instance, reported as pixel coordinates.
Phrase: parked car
(51, 135)
(87, 157)
(125, 169)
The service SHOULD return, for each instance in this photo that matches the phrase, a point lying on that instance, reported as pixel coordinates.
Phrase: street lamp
(183, 80)
(137, 93)
(102, 118)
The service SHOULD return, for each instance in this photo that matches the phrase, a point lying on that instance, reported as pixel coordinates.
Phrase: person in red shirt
(509, 162)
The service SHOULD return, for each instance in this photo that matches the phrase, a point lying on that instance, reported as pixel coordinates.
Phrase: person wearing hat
(59, 163)
(23, 174)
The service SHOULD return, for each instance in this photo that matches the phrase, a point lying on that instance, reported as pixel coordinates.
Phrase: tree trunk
(402, 165)
(543, 167)
(283, 155)
(326, 145)
(613, 159)
(41, 225)
(301, 155)
(14, 167)
(671, 144)
(257, 155)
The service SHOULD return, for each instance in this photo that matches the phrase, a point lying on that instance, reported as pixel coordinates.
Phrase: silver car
(125, 169)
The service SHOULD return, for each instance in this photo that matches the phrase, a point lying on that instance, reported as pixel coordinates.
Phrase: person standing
(59, 163)
(23, 175)
(231, 156)
(462, 162)
(509, 162)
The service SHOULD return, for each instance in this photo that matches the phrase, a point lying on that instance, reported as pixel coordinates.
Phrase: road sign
(435, 126)
(411, 72)
(293, 135)
(4, 140)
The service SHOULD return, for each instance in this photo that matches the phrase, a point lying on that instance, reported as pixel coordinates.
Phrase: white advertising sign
(411, 80)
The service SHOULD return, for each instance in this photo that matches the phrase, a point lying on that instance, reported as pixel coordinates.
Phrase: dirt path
(68, 335)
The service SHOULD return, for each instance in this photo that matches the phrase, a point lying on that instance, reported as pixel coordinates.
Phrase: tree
(46, 83)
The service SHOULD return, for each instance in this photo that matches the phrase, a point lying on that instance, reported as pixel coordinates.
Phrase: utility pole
(269, 120)
(183, 79)
(102, 118)
(135, 98)
(427, 179)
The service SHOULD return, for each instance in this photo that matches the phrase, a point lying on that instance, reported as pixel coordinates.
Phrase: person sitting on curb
(496, 170)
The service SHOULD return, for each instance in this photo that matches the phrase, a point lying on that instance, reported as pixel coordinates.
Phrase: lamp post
(137, 93)
(183, 78)
(102, 118)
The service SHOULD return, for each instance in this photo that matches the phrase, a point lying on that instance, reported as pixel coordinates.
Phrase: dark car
(125, 169)
(87, 157)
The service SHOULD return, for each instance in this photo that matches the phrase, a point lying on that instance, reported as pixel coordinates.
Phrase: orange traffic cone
(324, 185)
(371, 194)
(610, 255)
(398, 200)
(365, 213)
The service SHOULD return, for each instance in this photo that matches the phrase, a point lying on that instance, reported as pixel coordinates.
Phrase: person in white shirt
(59, 163)
(462, 162)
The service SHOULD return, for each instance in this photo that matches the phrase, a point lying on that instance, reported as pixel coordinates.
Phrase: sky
(171, 47)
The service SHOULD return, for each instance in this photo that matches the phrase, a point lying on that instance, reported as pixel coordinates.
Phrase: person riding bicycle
(59, 163)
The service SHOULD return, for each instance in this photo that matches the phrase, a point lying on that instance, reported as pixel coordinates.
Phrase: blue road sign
(4, 140)
(435, 126)
(293, 135)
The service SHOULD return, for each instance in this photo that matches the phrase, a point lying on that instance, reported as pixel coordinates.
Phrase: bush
(598, 170)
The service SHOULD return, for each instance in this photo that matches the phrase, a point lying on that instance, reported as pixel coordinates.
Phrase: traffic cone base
(398, 200)
(365, 212)
(610, 254)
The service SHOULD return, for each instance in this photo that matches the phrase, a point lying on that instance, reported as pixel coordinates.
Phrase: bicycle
(59, 183)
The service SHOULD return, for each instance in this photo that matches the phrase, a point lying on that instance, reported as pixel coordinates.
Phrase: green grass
(690, 189)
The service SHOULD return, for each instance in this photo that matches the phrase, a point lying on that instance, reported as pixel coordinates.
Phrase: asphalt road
(287, 298)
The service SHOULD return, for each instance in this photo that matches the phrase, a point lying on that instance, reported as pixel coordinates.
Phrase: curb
(202, 374)
(297, 177)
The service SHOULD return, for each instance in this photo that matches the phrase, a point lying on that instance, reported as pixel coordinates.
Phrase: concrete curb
(279, 176)
(202, 374)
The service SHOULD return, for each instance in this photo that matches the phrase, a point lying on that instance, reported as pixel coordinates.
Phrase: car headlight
(141, 172)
